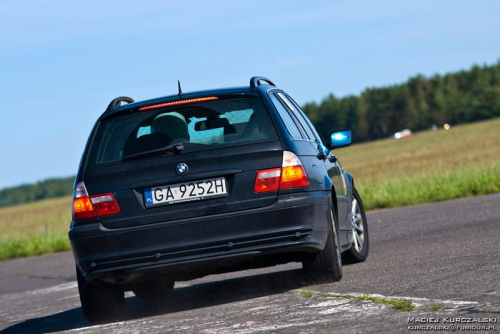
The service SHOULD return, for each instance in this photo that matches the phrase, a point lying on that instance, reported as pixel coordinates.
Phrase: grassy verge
(35, 244)
(428, 166)
(431, 187)
(35, 228)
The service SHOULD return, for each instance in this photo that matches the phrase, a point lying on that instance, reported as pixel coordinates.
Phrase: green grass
(35, 244)
(435, 307)
(398, 304)
(427, 167)
(35, 228)
(306, 294)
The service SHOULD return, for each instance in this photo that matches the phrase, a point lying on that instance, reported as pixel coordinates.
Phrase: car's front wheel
(327, 264)
(100, 301)
(359, 230)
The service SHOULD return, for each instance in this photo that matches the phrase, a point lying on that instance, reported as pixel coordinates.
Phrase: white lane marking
(52, 289)
(258, 308)
(94, 327)
(268, 328)
(424, 300)
(69, 297)
(418, 301)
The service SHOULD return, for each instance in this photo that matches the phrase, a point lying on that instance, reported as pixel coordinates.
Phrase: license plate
(185, 192)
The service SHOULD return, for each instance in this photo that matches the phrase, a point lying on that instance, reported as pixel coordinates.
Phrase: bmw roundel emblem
(182, 168)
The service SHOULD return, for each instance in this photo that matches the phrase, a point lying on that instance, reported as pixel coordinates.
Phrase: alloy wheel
(357, 227)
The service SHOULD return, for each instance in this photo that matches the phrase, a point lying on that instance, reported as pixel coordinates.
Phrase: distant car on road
(403, 133)
(184, 186)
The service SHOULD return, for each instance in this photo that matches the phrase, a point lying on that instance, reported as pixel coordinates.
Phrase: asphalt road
(433, 254)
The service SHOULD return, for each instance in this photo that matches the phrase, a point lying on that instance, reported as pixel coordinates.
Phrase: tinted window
(287, 119)
(198, 126)
(306, 119)
(298, 117)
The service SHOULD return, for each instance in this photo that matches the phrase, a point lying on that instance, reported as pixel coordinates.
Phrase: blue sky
(61, 62)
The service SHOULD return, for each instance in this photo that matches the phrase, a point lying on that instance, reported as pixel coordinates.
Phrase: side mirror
(340, 139)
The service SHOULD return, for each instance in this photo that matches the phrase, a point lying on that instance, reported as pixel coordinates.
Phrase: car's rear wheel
(153, 289)
(359, 229)
(100, 301)
(326, 265)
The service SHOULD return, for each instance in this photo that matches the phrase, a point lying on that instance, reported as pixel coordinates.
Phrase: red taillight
(105, 204)
(267, 180)
(291, 175)
(85, 206)
(176, 103)
(82, 208)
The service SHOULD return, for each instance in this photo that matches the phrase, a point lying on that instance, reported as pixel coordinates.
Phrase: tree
(463, 96)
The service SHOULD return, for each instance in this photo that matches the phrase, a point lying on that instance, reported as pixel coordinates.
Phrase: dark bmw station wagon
(184, 186)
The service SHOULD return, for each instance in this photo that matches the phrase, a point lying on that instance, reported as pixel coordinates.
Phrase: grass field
(35, 228)
(429, 166)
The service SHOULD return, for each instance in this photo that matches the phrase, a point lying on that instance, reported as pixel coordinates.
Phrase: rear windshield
(198, 126)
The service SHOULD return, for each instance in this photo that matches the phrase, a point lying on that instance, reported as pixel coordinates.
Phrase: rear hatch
(183, 159)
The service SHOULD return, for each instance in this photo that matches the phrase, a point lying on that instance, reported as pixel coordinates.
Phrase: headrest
(173, 125)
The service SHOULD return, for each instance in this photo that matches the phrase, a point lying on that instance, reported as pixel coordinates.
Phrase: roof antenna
(179, 85)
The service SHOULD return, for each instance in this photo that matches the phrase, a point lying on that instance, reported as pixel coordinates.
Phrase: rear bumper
(295, 224)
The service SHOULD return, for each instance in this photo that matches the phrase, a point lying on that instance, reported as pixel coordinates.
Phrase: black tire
(153, 289)
(100, 301)
(326, 265)
(356, 253)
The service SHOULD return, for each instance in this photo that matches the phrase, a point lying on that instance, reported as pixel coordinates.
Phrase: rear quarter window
(316, 135)
(300, 120)
(290, 124)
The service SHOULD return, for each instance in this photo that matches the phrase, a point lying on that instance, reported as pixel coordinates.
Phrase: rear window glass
(198, 126)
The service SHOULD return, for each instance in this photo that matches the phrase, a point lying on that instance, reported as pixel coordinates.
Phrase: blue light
(341, 138)
(338, 136)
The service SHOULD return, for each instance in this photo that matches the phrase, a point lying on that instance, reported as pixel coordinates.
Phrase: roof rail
(118, 102)
(255, 82)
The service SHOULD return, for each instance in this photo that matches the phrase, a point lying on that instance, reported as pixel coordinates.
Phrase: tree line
(417, 104)
(55, 187)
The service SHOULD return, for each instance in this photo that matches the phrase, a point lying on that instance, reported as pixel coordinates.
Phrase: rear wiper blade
(157, 151)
